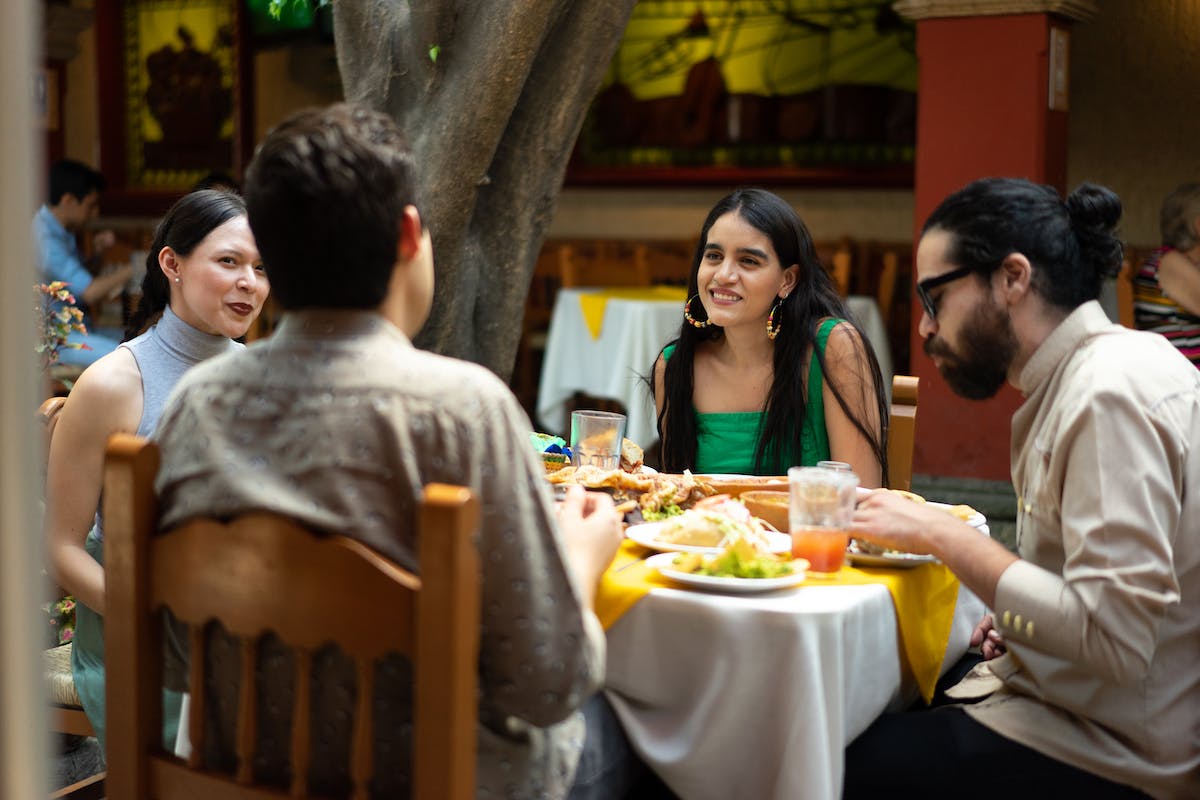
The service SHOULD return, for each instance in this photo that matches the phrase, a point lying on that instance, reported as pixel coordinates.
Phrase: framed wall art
(175, 97)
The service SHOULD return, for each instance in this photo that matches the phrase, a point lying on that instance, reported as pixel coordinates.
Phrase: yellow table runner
(924, 598)
(592, 304)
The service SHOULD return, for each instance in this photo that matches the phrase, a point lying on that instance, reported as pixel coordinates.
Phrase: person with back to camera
(338, 421)
(1166, 288)
(1090, 680)
(73, 201)
(767, 372)
(204, 275)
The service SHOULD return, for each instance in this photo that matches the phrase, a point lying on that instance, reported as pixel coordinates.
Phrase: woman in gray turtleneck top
(205, 276)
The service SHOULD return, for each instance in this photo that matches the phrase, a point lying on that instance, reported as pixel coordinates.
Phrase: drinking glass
(820, 504)
(596, 438)
(842, 465)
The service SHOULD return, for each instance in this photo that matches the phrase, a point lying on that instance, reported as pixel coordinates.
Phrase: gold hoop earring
(687, 314)
(772, 328)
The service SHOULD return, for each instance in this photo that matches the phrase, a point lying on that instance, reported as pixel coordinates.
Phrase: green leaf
(434, 50)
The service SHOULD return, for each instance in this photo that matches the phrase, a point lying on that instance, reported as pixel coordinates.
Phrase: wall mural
(770, 88)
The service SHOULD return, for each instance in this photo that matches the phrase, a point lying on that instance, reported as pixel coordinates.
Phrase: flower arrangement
(59, 317)
(62, 619)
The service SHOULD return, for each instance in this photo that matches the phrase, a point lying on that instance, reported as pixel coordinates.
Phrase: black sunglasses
(924, 286)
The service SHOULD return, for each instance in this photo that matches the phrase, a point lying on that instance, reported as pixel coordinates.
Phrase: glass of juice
(820, 504)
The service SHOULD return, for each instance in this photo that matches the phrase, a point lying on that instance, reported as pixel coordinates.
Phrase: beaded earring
(687, 314)
(772, 328)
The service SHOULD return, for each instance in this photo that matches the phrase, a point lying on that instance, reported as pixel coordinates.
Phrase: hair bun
(1093, 206)
(1094, 211)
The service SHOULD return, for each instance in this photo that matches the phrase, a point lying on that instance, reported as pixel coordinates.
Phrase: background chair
(603, 263)
(262, 572)
(902, 428)
(1129, 268)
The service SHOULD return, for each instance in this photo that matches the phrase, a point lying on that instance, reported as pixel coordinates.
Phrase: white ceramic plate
(662, 563)
(977, 520)
(892, 560)
(646, 533)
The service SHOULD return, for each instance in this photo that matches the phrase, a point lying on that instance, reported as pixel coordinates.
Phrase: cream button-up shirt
(1102, 614)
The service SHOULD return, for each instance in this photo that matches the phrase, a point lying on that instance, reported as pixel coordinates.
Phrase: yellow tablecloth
(924, 598)
(592, 304)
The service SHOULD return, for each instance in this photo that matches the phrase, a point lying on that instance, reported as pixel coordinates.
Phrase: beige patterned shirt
(338, 421)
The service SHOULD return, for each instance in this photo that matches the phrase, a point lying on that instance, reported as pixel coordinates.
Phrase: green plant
(58, 317)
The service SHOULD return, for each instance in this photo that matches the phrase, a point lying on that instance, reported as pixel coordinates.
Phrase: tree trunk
(492, 117)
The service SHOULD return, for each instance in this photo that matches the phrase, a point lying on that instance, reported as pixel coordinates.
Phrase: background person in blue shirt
(74, 199)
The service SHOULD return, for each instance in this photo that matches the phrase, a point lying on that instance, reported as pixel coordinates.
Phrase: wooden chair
(1129, 268)
(603, 263)
(262, 572)
(838, 259)
(888, 274)
(902, 428)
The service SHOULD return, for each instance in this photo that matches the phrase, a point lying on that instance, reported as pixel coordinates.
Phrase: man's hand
(591, 530)
(988, 639)
(895, 522)
(102, 240)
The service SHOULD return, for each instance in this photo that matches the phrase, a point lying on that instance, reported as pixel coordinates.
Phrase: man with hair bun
(1088, 683)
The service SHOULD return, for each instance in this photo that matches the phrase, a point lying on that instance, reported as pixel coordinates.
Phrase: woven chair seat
(59, 682)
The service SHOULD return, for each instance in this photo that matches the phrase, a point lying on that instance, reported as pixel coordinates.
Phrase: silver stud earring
(177, 280)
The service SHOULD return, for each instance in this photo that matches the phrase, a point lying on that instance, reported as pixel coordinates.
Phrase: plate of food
(708, 526)
(895, 559)
(725, 572)
(963, 512)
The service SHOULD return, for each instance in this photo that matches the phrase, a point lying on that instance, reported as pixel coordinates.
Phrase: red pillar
(983, 110)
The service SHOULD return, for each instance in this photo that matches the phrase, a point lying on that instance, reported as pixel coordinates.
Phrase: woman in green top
(768, 372)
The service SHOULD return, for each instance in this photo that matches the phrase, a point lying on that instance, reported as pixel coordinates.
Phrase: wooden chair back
(902, 429)
(603, 264)
(1129, 268)
(838, 259)
(888, 274)
(262, 572)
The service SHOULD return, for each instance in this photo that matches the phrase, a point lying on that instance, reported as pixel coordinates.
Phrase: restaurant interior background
(1133, 125)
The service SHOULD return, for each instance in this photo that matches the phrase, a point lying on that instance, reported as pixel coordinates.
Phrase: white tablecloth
(614, 365)
(756, 697)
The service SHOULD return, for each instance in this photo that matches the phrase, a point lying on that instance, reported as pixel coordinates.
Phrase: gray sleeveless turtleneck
(163, 354)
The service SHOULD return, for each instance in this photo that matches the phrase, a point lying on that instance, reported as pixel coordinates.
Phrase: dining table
(756, 695)
(604, 341)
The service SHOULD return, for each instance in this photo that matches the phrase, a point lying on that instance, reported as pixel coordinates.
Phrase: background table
(727, 696)
(616, 364)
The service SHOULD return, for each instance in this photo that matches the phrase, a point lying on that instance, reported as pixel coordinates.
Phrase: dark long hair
(193, 217)
(811, 300)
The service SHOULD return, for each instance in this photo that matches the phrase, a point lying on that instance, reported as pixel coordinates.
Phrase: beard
(989, 345)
